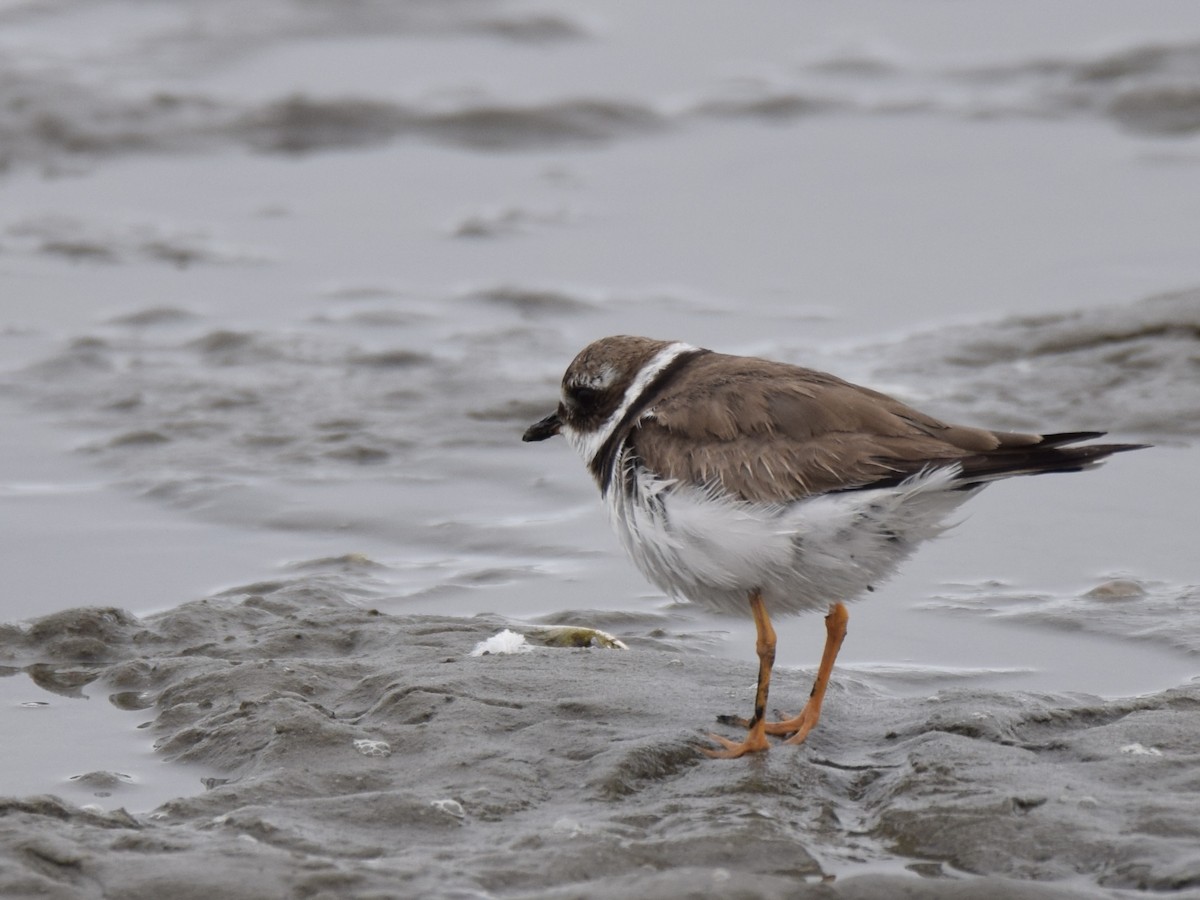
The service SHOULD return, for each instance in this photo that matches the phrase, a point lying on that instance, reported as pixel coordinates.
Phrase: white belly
(802, 556)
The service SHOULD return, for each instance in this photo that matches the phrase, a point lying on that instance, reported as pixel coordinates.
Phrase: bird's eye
(583, 396)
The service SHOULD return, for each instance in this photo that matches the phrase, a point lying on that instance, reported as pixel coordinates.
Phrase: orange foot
(755, 742)
(797, 726)
(796, 729)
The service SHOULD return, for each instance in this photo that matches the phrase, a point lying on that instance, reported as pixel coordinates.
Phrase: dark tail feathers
(1055, 453)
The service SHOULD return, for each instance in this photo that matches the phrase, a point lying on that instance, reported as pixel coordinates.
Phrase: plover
(747, 485)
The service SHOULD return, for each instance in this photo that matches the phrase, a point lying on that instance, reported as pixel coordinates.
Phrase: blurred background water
(282, 281)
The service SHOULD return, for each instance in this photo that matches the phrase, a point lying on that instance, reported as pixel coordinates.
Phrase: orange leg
(756, 740)
(799, 726)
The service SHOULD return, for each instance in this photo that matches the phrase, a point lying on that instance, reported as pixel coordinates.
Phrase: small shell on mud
(577, 636)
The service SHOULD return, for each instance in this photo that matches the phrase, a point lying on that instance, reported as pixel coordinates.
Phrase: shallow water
(115, 766)
(280, 287)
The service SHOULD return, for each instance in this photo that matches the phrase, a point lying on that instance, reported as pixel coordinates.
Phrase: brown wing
(765, 431)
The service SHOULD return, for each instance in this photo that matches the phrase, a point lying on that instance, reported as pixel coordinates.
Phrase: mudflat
(372, 755)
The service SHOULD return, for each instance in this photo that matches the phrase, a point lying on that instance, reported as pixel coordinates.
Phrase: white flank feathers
(712, 549)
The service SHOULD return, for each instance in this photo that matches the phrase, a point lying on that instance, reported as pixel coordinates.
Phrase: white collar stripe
(589, 445)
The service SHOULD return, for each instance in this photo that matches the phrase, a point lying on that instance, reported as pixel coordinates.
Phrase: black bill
(546, 428)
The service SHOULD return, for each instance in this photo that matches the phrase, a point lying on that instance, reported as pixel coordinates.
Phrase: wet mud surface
(366, 754)
(284, 280)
